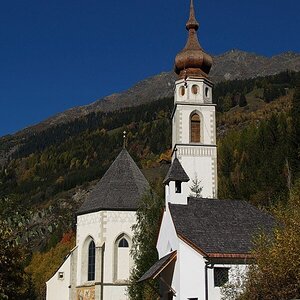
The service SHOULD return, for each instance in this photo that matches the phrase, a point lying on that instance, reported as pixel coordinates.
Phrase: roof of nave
(220, 227)
(120, 188)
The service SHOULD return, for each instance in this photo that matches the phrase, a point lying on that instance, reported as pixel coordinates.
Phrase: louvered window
(195, 128)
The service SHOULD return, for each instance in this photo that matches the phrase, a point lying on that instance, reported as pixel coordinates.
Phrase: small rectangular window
(178, 187)
(61, 275)
(220, 276)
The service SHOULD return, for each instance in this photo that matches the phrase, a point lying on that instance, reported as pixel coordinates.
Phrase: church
(203, 242)
(99, 266)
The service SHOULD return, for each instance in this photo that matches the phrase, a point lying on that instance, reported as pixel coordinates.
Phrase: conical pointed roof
(176, 173)
(121, 187)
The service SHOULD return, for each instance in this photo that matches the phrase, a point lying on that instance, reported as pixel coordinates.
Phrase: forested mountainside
(49, 173)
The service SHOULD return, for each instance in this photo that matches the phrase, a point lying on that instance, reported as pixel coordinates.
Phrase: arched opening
(91, 261)
(195, 128)
(123, 243)
(195, 89)
(182, 91)
(122, 258)
(206, 92)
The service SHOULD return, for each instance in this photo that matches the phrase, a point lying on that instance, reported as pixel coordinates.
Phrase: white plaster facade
(199, 160)
(189, 278)
(60, 282)
(106, 229)
(192, 273)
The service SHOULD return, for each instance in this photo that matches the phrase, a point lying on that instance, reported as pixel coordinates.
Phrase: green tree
(242, 101)
(295, 128)
(144, 246)
(14, 282)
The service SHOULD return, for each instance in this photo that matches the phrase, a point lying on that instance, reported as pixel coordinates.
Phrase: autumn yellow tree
(276, 273)
(44, 264)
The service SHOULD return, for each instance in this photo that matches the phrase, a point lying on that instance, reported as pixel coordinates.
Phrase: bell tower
(193, 118)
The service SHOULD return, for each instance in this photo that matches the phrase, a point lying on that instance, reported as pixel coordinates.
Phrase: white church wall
(118, 223)
(106, 227)
(236, 272)
(177, 198)
(192, 273)
(199, 160)
(73, 270)
(203, 168)
(59, 283)
(167, 240)
(89, 226)
(115, 292)
(184, 91)
(207, 119)
(123, 263)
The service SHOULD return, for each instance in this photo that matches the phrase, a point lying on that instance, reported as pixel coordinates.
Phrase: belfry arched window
(195, 128)
(91, 261)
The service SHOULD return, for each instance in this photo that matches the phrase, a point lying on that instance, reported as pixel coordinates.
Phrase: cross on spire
(124, 139)
(192, 22)
(175, 150)
(192, 61)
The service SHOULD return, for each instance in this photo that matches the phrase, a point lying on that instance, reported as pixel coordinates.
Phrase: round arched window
(182, 91)
(206, 92)
(195, 128)
(195, 89)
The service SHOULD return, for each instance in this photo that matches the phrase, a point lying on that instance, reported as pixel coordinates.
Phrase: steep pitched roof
(158, 267)
(176, 172)
(121, 187)
(220, 226)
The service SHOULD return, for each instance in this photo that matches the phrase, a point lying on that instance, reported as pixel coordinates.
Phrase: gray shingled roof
(158, 266)
(176, 173)
(120, 188)
(220, 226)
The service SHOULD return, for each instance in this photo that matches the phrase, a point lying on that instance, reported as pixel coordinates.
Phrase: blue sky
(57, 54)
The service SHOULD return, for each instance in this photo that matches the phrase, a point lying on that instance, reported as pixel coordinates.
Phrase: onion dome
(192, 60)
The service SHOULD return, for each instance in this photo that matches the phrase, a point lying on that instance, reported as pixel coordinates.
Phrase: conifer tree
(295, 135)
(196, 188)
(242, 101)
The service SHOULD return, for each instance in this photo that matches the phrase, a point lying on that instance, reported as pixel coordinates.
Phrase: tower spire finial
(124, 139)
(192, 23)
(192, 60)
